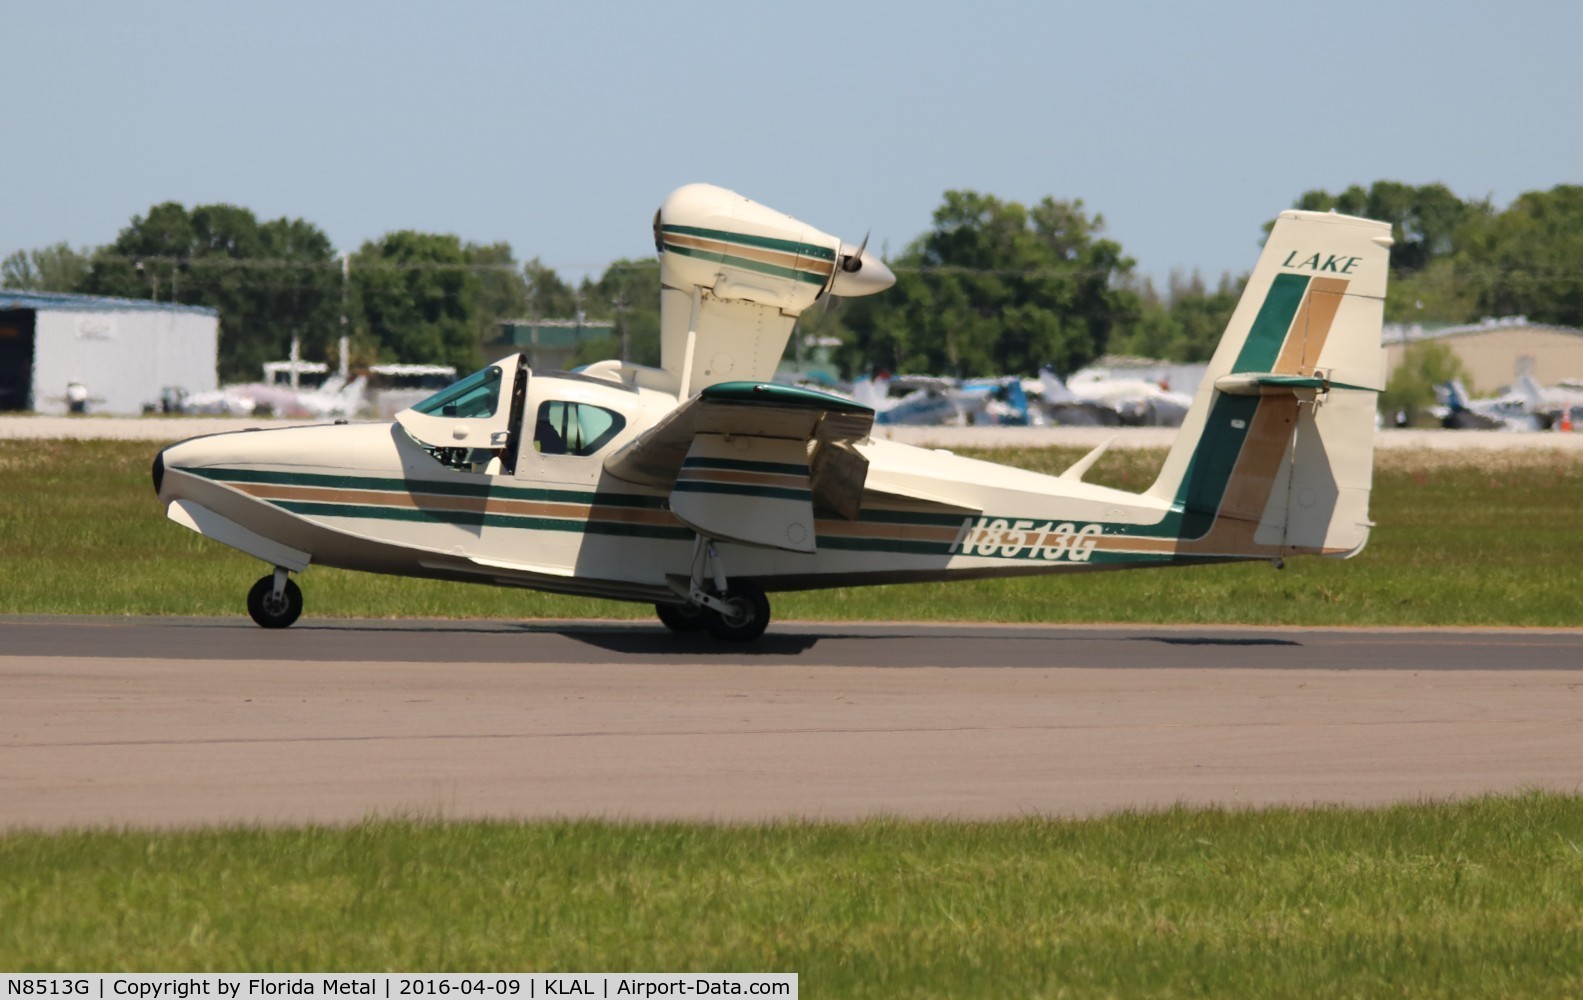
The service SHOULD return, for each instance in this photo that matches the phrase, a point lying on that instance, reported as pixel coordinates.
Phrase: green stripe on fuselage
(773, 270)
(766, 242)
(881, 516)
(428, 487)
(743, 490)
(479, 519)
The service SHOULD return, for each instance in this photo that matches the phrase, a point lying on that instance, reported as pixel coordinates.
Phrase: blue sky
(560, 127)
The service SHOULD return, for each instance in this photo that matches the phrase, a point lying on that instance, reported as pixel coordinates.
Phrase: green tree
(502, 288)
(1426, 221)
(627, 294)
(417, 296)
(1411, 388)
(1184, 325)
(1447, 291)
(1528, 260)
(995, 287)
(55, 268)
(548, 296)
(269, 281)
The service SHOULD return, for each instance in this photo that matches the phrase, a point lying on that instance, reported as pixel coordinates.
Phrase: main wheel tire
(269, 611)
(681, 617)
(748, 617)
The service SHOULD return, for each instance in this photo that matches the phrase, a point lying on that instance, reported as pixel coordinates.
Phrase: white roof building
(120, 353)
(1496, 351)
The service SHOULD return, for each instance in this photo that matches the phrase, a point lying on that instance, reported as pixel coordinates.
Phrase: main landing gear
(275, 600)
(737, 611)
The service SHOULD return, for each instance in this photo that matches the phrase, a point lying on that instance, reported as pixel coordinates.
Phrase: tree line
(993, 287)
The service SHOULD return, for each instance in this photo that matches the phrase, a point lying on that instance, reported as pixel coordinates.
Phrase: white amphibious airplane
(700, 486)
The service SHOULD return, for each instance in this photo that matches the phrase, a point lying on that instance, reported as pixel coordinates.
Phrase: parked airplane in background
(999, 401)
(930, 400)
(1526, 406)
(336, 397)
(1511, 412)
(1553, 405)
(699, 486)
(1134, 401)
(914, 400)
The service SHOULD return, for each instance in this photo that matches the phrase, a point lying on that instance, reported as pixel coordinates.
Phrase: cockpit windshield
(477, 395)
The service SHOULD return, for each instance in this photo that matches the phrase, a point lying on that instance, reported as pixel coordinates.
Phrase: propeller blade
(853, 262)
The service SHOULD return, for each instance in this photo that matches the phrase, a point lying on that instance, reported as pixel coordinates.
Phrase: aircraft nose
(864, 275)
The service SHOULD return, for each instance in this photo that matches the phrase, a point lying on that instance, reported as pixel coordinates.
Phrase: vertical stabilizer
(1276, 455)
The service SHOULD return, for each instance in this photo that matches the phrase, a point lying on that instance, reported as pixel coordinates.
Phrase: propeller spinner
(859, 272)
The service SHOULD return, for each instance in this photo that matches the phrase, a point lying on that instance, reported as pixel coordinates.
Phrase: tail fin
(1531, 391)
(1276, 456)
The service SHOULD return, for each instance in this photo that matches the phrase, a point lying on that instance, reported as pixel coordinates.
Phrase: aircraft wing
(749, 462)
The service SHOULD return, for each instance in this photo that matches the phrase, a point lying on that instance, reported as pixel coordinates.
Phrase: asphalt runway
(176, 722)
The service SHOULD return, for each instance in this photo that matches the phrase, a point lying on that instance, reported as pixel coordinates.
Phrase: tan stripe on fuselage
(898, 532)
(475, 505)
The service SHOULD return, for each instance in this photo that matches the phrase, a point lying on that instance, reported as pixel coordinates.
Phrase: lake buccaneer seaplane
(700, 486)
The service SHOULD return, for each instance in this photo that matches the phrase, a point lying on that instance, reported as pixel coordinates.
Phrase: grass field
(1475, 899)
(1475, 540)
(1483, 898)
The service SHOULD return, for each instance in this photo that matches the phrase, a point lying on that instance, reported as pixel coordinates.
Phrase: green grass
(1481, 898)
(1480, 540)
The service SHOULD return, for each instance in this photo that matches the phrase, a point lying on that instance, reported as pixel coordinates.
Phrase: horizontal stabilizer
(1277, 384)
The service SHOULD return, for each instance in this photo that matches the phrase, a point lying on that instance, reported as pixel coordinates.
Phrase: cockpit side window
(563, 428)
(470, 426)
(477, 395)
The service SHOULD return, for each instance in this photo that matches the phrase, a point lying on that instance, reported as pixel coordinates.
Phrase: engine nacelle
(740, 250)
(735, 275)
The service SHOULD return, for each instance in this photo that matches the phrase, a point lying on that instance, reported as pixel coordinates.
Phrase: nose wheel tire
(271, 611)
(747, 615)
(681, 617)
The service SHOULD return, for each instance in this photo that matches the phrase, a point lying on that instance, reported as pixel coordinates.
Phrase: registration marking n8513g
(1024, 539)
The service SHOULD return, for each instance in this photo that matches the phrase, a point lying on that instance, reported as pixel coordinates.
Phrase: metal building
(108, 355)
(550, 344)
(1496, 351)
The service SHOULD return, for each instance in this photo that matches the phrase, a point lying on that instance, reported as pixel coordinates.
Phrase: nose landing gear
(275, 600)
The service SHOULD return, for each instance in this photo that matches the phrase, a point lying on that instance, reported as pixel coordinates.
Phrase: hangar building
(121, 352)
(1496, 351)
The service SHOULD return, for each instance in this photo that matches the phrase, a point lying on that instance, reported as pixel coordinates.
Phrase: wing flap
(754, 490)
(749, 462)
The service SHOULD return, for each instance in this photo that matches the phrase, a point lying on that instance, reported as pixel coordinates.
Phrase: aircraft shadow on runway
(1213, 640)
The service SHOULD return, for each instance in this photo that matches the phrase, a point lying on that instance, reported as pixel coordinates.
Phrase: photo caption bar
(396, 986)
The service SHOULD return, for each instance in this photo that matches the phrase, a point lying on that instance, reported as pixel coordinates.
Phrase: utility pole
(346, 281)
(620, 303)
